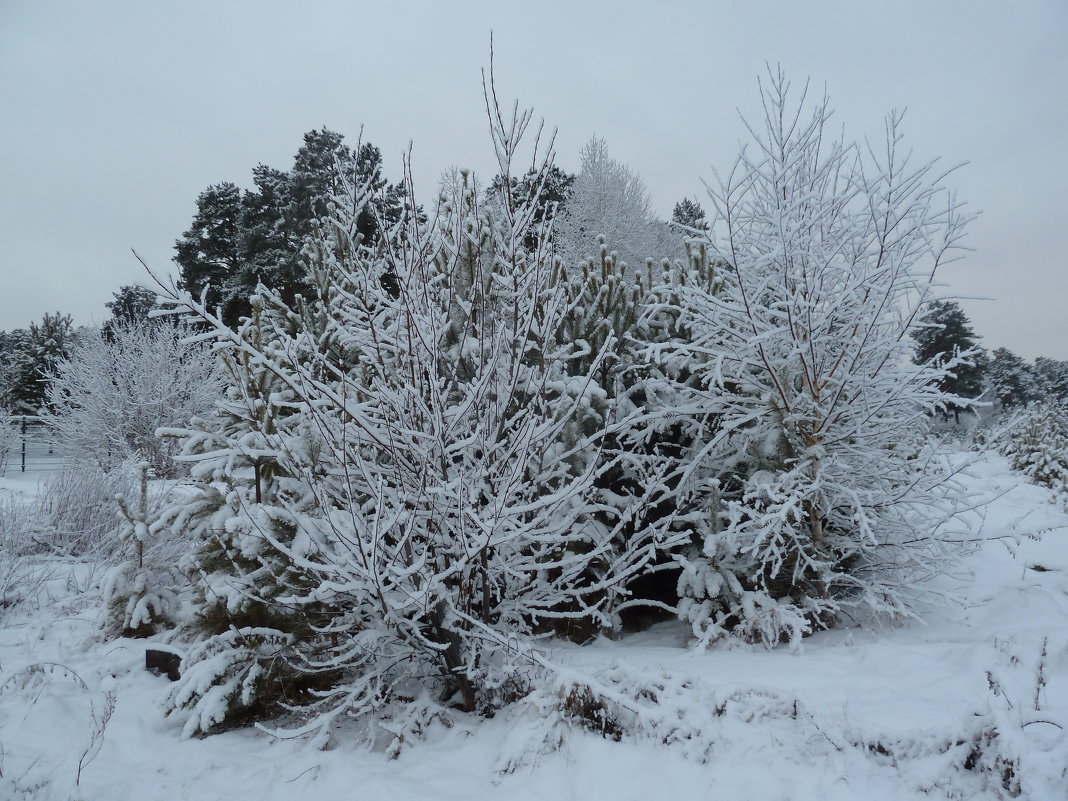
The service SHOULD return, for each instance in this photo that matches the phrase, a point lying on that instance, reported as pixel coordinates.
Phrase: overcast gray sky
(115, 115)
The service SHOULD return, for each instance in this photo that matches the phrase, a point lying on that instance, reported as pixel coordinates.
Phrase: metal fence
(33, 450)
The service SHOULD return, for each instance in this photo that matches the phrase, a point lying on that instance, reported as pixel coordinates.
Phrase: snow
(857, 713)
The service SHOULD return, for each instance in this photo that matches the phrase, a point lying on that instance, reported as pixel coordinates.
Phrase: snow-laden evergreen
(1036, 442)
(140, 596)
(407, 481)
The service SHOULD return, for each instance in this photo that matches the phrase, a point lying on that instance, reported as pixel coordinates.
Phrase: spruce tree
(688, 213)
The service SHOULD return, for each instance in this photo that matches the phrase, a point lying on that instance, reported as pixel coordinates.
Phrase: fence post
(23, 443)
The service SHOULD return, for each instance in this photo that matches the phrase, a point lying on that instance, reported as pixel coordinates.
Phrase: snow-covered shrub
(21, 576)
(403, 483)
(817, 480)
(232, 677)
(1036, 442)
(140, 595)
(109, 397)
(74, 514)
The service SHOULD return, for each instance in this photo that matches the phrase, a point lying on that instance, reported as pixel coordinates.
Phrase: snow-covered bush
(1036, 442)
(109, 397)
(235, 676)
(74, 514)
(140, 595)
(21, 576)
(404, 483)
(817, 480)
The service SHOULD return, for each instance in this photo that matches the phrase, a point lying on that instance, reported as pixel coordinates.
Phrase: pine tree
(47, 344)
(240, 240)
(12, 343)
(429, 509)
(944, 336)
(139, 594)
(269, 244)
(1037, 446)
(553, 195)
(130, 307)
(1051, 379)
(1012, 382)
(209, 253)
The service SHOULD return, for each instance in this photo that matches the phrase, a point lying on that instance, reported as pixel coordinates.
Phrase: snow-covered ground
(969, 703)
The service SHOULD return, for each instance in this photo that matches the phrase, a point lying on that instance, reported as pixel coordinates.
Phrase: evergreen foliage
(453, 434)
(945, 336)
(688, 214)
(12, 343)
(208, 254)
(46, 345)
(139, 597)
(129, 308)
(1037, 446)
(1051, 379)
(405, 488)
(239, 240)
(1011, 380)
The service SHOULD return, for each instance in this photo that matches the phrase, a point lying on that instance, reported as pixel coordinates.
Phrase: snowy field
(969, 703)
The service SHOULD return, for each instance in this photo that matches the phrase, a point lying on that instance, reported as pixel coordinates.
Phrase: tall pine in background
(945, 334)
(241, 239)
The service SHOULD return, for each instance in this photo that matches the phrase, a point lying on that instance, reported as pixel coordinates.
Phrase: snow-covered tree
(817, 481)
(1011, 381)
(1037, 446)
(431, 511)
(8, 438)
(12, 344)
(109, 395)
(1051, 379)
(608, 199)
(140, 596)
(45, 346)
